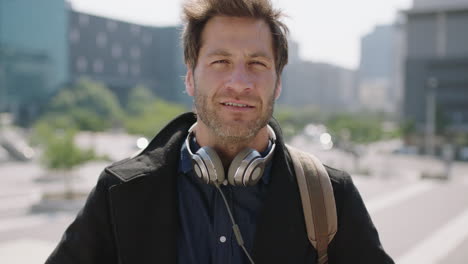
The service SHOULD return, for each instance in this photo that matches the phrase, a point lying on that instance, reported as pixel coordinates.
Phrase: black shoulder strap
(318, 201)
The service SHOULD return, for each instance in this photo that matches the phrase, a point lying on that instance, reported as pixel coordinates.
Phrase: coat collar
(164, 146)
(144, 206)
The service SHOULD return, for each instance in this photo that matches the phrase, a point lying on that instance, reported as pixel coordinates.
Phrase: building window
(147, 39)
(122, 68)
(135, 52)
(135, 69)
(83, 20)
(111, 25)
(98, 66)
(135, 29)
(74, 35)
(101, 40)
(81, 64)
(116, 51)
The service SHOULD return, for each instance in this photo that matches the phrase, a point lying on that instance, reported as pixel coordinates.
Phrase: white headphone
(246, 168)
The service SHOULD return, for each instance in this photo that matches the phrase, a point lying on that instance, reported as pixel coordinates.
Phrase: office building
(436, 65)
(326, 87)
(123, 55)
(378, 86)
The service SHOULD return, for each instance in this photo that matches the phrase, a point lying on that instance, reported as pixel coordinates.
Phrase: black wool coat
(131, 215)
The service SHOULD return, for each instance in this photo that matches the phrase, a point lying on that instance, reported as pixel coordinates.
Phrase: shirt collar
(185, 165)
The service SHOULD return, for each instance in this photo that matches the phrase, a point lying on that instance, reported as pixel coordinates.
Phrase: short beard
(231, 134)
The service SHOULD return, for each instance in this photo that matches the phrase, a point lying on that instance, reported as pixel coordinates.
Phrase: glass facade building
(33, 53)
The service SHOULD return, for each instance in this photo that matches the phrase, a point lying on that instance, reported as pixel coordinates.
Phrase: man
(173, 202)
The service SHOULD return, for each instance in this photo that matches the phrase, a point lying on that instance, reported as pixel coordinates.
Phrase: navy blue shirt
(205, 235)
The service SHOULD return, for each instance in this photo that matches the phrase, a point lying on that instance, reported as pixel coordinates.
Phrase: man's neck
(227, 149)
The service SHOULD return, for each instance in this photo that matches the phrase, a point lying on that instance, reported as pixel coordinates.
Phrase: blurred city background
(81, 88)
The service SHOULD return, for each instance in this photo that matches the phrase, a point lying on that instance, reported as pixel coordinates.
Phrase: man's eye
(258, 63)
(220, 61)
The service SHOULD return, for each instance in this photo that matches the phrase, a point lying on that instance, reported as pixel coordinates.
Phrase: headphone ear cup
(239, 166)
(210, 168)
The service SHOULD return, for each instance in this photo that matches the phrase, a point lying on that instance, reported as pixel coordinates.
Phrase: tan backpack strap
(318, 201)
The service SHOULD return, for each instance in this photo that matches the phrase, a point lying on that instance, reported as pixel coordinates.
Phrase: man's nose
(241, 80)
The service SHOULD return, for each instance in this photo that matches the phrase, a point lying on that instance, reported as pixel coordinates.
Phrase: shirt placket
(223, 228)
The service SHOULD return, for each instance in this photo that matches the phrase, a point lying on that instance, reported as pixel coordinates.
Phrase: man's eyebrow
(219, 52)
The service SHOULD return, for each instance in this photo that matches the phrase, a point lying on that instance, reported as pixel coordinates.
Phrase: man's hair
(198, 12)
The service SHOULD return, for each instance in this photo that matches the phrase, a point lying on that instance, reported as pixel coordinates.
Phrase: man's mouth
(237, 105)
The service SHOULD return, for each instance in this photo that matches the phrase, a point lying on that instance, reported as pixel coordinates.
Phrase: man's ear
(278, 89)
(189, 84)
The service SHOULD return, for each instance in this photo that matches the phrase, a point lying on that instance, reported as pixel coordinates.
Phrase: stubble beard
(231, 133)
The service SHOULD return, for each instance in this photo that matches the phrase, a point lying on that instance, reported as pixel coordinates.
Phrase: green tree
(61, 154)
(138, 100)
(360, 128)
(293, 120)
(87, 105)
(152, 117)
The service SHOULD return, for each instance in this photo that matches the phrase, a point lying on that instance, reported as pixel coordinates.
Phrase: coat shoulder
(338, 177)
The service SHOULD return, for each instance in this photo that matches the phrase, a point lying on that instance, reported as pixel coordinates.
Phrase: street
(419, 220)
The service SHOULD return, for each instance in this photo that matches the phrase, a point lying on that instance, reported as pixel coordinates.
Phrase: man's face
(234, 82)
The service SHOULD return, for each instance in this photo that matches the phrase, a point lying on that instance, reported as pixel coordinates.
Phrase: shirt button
(225, 182)
(222, 239)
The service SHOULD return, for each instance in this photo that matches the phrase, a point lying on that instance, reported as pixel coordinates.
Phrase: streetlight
(431, 85)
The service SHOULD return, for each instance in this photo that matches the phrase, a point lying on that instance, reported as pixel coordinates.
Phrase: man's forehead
(227, 31)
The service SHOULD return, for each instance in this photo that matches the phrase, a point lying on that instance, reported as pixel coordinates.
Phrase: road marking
(25, 251)
(403, 194)
(433, 249)
(29, 221)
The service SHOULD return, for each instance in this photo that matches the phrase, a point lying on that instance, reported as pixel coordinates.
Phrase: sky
(327, 30)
